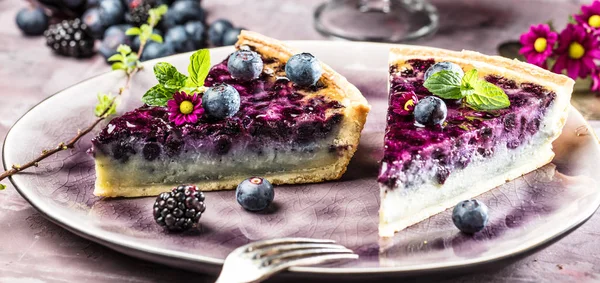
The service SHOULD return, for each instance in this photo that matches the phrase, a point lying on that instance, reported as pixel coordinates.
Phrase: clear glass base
(376, 20)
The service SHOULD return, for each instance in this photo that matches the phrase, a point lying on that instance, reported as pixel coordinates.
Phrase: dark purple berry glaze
(273, 112)
(412, 152)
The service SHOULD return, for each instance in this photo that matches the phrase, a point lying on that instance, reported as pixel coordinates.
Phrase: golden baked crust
(336, 88)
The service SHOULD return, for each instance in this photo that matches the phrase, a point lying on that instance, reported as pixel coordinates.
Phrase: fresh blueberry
(255, 194)
(195, 31)
(154, 50)
(430, 111)
(91, 18)
(182, 12)
(112, 12)
(245, 65)
(216, 31)
(230, 37)
(179, 39)
(303, 69)
(221, 101)
(441, 66)
(470, 216)
(136, 40)
(32, 21)
(113, 37)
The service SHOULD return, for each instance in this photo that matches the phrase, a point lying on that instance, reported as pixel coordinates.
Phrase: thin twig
(80, 133)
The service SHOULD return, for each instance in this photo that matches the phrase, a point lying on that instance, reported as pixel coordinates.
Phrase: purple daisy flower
(576, 52)
(405, 104)
(590, 16)
(538, 44)
(184, 108)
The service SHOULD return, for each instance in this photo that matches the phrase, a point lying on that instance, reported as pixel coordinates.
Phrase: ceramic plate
(527, 213)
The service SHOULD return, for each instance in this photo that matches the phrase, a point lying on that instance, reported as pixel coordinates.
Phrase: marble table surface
(29, 72)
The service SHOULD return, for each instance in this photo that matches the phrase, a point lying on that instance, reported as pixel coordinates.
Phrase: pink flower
(590, 16)
(538, 44)
(405, 104)
(595, 81)
(184, 108)
(576, 52)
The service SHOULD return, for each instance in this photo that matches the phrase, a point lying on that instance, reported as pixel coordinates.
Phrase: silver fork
(258, 261)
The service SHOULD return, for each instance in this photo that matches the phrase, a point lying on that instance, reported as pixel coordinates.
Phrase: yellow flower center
(540, 44)
(408, 103)
(576, 50)
(186, 107)
(594, 21)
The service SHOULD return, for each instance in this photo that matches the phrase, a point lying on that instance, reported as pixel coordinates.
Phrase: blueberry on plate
(255, 194)
(112, 12)
(245, 65)
(443, 66)
(113, 37)
(303, 69)
(32, 20)
(216, 31)
(230, 37)
(470, 216)
(179, 39)
(154, 50)
(195, 31)
(430, 111)
(180, 209)
(182, 12)
(221, 101)
(91, 18)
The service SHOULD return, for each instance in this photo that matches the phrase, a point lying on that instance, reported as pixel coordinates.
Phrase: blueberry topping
(180, 209)
(255, 194)
(216, 31)
(221, 101)
(230, 37)
(441, 66)
(430, 111)
(32, 21)
(303, 69)
(470, 216)
(151, 151)
(245, 65)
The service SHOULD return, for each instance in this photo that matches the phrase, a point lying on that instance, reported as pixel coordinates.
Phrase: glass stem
(374, 6)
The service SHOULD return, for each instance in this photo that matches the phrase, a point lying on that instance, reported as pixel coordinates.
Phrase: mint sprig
(106, 105)
(477, 93)
(170, 80)
(125, 59)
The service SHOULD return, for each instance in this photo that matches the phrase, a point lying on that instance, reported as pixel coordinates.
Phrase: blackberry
(180, 209)
(70, 38)
(138, 12)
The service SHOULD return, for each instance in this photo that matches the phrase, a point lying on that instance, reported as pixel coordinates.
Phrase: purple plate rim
(118, 245)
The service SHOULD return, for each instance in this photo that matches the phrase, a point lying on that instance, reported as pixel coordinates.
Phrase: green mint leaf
(487, 96)
(118, 66)
(157, 96)
(133, 31)
(115, 58)
(155, 14)
(2, 187)
(470, 79)
(199, 67)
(156, 37)
(168, 76)
(445, 84)
(106, 105)
(124, 49)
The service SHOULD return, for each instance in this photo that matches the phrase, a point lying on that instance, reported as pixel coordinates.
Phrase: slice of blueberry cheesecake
(266, 110)
(460, 124)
